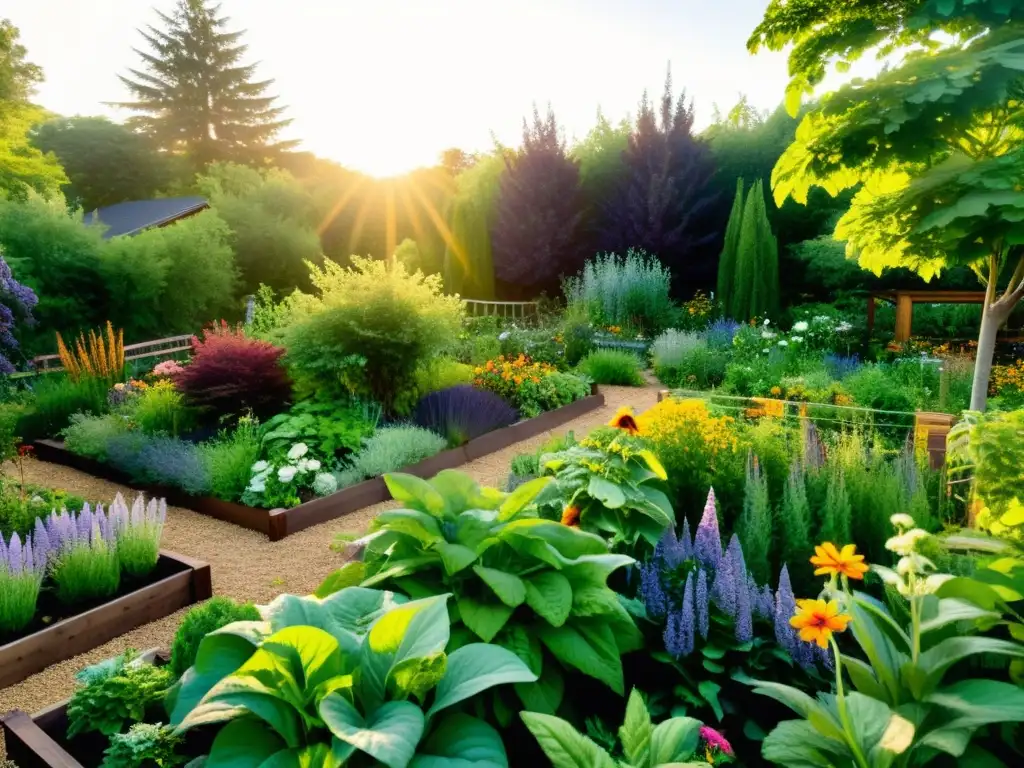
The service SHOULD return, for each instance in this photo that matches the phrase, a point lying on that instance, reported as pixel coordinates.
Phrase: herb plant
(200, 621)
(145, 745)
(331, 428)
(612, 367)
(462, 413)
(115, 692)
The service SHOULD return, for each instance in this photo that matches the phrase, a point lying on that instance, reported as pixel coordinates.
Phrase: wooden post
(904, 316)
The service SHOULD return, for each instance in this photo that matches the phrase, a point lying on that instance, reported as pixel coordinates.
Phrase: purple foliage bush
(462, 413)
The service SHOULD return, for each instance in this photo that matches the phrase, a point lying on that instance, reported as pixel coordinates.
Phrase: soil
(245, 564)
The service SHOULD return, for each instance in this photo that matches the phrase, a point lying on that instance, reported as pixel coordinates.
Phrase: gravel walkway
(245, 565)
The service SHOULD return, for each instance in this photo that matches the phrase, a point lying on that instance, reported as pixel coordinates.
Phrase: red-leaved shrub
(231, 373)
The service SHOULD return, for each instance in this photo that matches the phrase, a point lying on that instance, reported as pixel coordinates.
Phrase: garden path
(246, 566)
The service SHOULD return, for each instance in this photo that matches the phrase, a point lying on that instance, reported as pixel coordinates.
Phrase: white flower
(767, 321)
(902, 520)
(261, 466)
(324, 484)
(286, 474)
(800, 326)
(796, 339)
(905, 543)
(765, 350)
(298, 451)
(783, 343)
(257, 485)
(312, 465)
(503, 335)
(767, 335)
(843, 327)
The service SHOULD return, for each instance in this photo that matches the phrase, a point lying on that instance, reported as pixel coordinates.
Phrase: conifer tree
(727, 261)
(194, 95)
(756, 286)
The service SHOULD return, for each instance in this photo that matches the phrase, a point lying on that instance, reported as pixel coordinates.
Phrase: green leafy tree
(194, 95)
(755, 289)
(935, 144)
(468, 261)
(602, 172)
(106, 162)
(727, 259)
(23, 167)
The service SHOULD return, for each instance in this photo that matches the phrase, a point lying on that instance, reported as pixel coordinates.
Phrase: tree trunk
(996, 312)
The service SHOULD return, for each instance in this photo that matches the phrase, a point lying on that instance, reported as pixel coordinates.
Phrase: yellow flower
(817, 620)
(830, 561)
(624, 420)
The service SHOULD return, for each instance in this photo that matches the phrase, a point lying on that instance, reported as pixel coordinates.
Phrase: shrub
(284, 481)
(137, 533)
(160, 410)
(86, 567)
(442, 373)
(689, 361)
(23, 300)
(229, 459)
(200, 621)
(56, 399)
(391, 449)
(531, 387)
(630, 291)
(113, 693)
(90, 435)
(145, 744)
(462, 413)
(330, 427)
(670, 348)
(613, 367)
(21, 505)
(231, 374)
(369, 330)
(161, 460)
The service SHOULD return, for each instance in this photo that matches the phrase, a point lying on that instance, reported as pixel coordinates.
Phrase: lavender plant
(85, 565)
(137, 533)
(22, 567)
(462, 413)
(717, 623)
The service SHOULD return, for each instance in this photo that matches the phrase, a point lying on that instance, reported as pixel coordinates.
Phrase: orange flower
(571, 516)
(829, 560)
(817, 620)
(624, 420)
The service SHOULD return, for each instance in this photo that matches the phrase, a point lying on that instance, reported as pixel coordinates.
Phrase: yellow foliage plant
(101, 356)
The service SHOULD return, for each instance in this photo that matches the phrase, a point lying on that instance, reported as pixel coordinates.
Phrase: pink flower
(715, 740)
(167, 368)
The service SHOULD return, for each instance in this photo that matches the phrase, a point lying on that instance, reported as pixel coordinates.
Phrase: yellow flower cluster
(671, 421)
(699, 306)
(614, 330)
(1008, 377)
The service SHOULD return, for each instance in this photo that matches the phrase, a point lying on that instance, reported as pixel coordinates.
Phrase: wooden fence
(172, 345)
(505, 309)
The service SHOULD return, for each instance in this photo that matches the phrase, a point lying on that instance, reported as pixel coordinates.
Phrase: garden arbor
(905, 301)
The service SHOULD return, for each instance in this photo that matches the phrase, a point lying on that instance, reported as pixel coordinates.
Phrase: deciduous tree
(935, 143)
(195, 97)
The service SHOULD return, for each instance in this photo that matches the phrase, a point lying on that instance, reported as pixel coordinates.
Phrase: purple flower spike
(703, 608)
(14, 554)
(707, 546)
(687, 619)
(652, 592)
(3, 550)
(686, 541)
(785, 608)
(723, 589)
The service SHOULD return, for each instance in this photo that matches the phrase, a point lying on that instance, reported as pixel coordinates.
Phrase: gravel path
(245, 565)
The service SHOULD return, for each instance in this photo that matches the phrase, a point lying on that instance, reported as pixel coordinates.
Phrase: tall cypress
(194, 96)
(755, 288)
(727, 261)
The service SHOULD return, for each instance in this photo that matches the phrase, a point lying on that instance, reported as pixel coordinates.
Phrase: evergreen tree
(539, 212)
(468, 260)
(727, 260)
(194, 95)
(663, 204)
(755, 288)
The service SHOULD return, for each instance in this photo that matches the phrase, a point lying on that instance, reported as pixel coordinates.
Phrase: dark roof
(133, 217)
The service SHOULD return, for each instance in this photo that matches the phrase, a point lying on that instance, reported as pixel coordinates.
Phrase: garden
(614, 469)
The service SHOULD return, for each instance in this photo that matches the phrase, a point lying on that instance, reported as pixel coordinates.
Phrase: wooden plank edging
(81, 633)
(279, 523)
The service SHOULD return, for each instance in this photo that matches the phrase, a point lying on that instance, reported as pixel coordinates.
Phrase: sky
(383, 86)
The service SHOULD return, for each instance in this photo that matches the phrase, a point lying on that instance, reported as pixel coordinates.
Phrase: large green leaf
(349, 575)
(391, 734)
(455, 557)
(934, 662)
(674, 740)
(243, 743)
(401, 568)
(587, 645)
(546, 694)
(521, 497)
(564, 746)
(220, 653)
(951, 610)
(311, 756)
(549, 595)
(595, 569)
(605, 491)
(566, 541)
(485, 618)
(974, 703)
(523, 643)
(476, 527)
(508, 587)
(416, 493)
(461, 741)
(872, 718)
(462, 492)
(410, 522)
(416, 629)
(796, 744)
(477, 667)
(636, 730)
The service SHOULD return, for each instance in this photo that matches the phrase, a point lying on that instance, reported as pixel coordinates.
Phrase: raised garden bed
(39, 740)
(278, 523)
(176, 582)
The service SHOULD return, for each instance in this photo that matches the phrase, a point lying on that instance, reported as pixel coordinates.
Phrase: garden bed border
(85, 631)
(278, 523)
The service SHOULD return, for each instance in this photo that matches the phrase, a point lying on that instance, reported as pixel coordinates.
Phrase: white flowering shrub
(283, 484)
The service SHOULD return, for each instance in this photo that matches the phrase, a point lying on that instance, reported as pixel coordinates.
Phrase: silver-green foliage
(630, 290)
(324, 679)
(390, 449)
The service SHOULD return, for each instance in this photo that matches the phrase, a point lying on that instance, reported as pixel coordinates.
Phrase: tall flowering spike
(741, 591)
(162, 511)
(665, 551)
(29, 556)
(687, 618)
(707, 545)
(84, 521)
(703, 607)
(652, 592)
(671, 637)
(14, 554)
(41, 541)
(723, 589)
(762, 600)
(686, 541)
(785, 607)
(3, 550)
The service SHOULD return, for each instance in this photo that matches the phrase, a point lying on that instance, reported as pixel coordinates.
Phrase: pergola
(905, 300)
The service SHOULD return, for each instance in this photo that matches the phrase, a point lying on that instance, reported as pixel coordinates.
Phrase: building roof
(133, 217)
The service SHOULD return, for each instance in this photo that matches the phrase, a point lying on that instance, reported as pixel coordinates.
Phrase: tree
(455, 160)
(934, 143)
(468, 258)
(755, 289)
(106, 162)
(195, 97)
(602, 172)
(727, 260)
(539, 211)
(663, 202)
(23, 168)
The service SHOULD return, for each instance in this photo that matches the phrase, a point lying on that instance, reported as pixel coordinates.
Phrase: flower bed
(278, 523)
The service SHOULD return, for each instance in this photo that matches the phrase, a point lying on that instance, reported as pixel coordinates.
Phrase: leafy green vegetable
(114, 693)
(144, 745)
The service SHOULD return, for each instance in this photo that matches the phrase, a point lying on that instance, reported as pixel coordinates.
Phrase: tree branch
(1015, 290)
